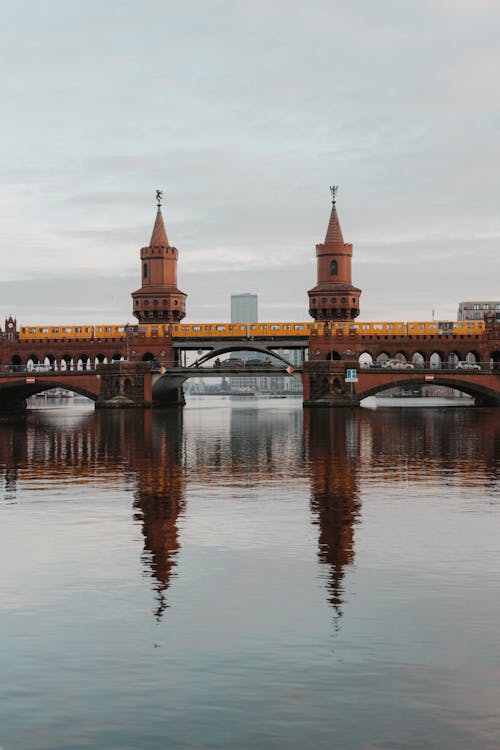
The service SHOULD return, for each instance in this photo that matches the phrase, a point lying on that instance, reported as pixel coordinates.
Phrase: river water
(246, 574)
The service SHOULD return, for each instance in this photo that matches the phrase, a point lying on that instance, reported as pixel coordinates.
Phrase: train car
(55, 333)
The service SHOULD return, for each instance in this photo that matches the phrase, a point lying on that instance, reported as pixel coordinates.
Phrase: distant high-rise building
(244, 308)
(477, 309)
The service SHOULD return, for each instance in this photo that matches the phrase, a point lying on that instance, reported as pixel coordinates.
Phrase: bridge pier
(324, 384)
(10, 404)
(125, 385)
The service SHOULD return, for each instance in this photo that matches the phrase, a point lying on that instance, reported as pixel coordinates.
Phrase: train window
(378, 326)
(298, 327)
(390, 326)
(421, 326)
(220, 328)
(66, 330)
(120, 329)
(275, 327)
(242, 328)
(108, 329)
(433, 326)
(252, 327)
(196, 328)
(44, 330)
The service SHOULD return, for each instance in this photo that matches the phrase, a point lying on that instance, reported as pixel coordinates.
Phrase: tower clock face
(10, 325)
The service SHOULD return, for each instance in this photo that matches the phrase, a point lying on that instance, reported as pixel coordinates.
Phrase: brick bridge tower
(334, 297)
(159, 300)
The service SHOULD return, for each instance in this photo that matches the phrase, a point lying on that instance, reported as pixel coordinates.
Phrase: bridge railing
(432, 368)
(39, 371)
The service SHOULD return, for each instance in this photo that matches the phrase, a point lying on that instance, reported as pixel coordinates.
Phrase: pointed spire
(159, 237)
(334, 232)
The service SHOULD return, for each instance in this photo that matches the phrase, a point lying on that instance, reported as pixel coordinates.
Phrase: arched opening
(16, 363)
(32, 362)
(453, 359)
(495, 359)
(333, 268)
(333, 356)
(365, 359)
(127, 388)
(148, 357)
(436, 361)
(402, 356)
(418, 360)
(100, 359)
(66, 362)
(117, 357)
(83, 362)
(381, 358)
(50, 361)
(473, 358)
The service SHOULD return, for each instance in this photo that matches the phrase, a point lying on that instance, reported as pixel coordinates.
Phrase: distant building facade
(477, 309)
(244, 308)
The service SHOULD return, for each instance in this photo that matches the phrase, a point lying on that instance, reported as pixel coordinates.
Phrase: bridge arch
(472, 385)
(239, 347)
(16, 392)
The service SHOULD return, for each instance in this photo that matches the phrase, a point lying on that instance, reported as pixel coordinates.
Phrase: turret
(159, 299)
(334, 297)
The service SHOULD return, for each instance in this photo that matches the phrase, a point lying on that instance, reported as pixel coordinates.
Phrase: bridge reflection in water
(153, 456)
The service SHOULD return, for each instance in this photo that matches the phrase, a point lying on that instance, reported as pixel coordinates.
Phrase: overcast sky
(244, 112)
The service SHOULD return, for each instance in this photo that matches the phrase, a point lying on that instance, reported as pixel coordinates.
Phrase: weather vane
(159, 196)
(333, 191)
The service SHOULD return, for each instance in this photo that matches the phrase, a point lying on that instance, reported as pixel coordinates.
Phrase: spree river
(246, 574)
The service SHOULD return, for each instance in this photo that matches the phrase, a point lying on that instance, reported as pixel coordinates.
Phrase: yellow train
(247, 330)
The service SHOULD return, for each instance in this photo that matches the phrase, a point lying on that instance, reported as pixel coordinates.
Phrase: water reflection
(335, 451)
(156, 459)
(332, 449)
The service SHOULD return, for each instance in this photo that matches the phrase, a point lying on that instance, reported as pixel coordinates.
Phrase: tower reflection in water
(149, 454)
(156, 459)
(332, 454)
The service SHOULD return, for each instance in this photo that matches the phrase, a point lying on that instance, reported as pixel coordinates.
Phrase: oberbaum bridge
(143, 365)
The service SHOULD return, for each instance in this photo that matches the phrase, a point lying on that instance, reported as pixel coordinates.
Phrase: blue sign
(352, 376)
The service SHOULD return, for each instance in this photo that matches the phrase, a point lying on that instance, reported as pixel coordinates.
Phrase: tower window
(145, 270)
(333, 268)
